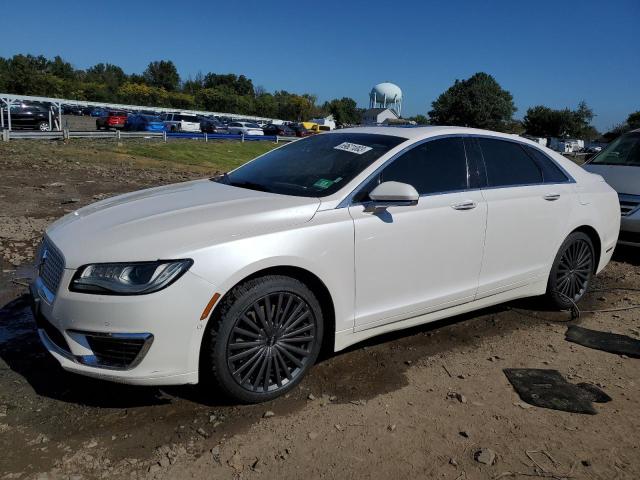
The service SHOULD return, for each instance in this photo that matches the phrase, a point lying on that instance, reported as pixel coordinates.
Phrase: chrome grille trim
(628, 204)
(50, 265)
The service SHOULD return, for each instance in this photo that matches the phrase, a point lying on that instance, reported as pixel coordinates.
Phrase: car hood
(622, 178)
(173, 221)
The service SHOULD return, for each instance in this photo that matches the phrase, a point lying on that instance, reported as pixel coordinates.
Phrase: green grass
(218, 155)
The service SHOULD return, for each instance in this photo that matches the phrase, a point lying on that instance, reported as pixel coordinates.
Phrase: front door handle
(466, 205)
(551, 197)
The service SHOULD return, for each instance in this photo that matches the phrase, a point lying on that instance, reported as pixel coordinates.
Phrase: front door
(410, 260)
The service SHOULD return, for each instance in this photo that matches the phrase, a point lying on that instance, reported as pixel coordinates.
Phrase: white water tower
(386, 95)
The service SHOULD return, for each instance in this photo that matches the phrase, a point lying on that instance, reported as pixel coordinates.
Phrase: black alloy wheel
(263, 338)
(572, 271)
(271, 342)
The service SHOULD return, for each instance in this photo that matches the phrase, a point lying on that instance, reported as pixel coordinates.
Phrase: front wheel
(44, 126)
(265, 337)
(572, 271)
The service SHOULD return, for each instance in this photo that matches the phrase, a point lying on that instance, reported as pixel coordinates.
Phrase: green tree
(137, 94)
(4, 74)
(240, 85)
(111, 76)
(181, 100)
(265, 105)
(633, 120)
(478, 101)
(218, 99)
(344, 110)
(162, 74)
(193, 85)
(61, 69)
(541, 121)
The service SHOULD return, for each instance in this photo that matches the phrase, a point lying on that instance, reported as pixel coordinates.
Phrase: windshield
(314, 167)
(624, 150)
(252, 125)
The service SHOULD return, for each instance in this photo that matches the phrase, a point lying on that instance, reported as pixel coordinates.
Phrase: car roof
(416, 133)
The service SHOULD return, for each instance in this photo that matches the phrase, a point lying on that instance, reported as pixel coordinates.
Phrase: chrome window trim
(348, 200)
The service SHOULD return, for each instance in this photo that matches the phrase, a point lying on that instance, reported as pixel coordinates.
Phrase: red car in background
(113, 119)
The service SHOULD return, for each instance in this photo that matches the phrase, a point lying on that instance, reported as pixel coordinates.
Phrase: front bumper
(630, 230)
(630, 220)
(144, 340)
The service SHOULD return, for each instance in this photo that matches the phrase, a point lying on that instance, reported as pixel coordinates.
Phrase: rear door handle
(466, 205)
(551, 197)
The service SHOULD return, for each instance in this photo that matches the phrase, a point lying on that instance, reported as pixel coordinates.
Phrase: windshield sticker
(353, 148)
(323, 183)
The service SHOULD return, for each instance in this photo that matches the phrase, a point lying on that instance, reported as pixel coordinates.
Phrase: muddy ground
(417, 404)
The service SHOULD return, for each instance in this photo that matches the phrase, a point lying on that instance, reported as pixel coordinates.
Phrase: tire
(272, 363)
(44, 126)
(571, 272)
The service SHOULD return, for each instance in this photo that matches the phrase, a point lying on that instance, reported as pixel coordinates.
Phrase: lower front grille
(120, 351)
(53, 333)
(628, 204)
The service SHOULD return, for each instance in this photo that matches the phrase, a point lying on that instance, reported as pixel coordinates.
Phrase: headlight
(133, 278)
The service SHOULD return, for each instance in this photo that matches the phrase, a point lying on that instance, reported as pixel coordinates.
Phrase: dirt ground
(416, 404)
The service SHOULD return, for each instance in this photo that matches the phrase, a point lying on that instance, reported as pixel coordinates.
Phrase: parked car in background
(302, 131)
(279, 130)
(144, 123)
(244, 128)
(619, 165)
(212, 125)
(181, 122)
(237, 282)
(72, 110)
(31, 116)
(111, 119)
(97, 112)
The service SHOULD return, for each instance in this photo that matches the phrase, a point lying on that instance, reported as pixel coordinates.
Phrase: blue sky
(545, 52)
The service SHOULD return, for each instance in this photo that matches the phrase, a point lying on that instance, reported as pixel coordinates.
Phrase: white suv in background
(181, 122)
(619, 164)
(245, 128)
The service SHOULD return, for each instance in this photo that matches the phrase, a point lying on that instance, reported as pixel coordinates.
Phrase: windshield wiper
(251, 186)
(223, 178)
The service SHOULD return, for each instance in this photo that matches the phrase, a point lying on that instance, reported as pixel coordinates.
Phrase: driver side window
(438, 166)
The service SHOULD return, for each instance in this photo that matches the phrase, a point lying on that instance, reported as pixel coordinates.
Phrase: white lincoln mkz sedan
(238, 281)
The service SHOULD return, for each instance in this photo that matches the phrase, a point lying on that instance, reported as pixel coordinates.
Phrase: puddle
(15, 320)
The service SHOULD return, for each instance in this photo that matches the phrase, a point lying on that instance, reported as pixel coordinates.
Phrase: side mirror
(389, 194)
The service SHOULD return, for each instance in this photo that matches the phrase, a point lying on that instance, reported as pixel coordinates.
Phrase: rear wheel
(266, 336)
(572, 271)
(44, 126)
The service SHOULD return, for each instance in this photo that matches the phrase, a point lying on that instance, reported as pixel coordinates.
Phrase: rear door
(529, 200)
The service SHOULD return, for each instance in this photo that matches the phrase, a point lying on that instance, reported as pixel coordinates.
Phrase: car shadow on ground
(627, 254)
(21, 350)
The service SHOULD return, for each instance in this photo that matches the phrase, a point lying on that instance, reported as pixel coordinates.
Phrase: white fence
(8, 135)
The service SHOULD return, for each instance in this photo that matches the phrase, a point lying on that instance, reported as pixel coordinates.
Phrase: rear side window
(433, 167)
(551, 173)
(508, 164)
